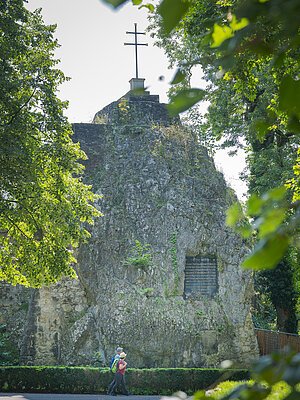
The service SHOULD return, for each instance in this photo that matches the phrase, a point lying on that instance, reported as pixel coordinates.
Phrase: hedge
(157, 381)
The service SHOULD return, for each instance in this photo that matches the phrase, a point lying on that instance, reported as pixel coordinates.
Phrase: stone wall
(159, 189)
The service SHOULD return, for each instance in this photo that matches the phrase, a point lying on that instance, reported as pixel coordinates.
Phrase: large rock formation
(161, 273)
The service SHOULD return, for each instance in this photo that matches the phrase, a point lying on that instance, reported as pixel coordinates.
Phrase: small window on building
(201, 276)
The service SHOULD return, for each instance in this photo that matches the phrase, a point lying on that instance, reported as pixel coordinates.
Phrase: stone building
(161, 273)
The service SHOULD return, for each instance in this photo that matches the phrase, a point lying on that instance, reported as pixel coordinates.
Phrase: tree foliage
(266, 373)
(140, 3)
(249, 52)
(43, 201)
(279, 286)
(245, 79)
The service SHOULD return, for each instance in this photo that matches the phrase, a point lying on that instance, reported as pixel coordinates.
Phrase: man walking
(116, 357)
(119, 381)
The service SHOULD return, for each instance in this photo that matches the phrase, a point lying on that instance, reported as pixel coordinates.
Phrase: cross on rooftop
(136, 44)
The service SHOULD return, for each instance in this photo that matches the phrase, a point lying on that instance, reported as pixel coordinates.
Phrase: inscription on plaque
(201, 276)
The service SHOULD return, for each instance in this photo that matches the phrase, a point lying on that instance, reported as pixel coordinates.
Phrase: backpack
(115, 365)
(111, 361)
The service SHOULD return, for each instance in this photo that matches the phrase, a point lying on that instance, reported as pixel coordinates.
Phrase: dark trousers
(111, 385)
(118, 383)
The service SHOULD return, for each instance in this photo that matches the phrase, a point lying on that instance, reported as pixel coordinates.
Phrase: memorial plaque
(201, 276)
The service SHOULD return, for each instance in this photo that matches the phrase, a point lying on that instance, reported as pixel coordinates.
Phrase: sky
(92, 53)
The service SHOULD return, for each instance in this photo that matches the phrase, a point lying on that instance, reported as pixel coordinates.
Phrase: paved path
(47, 396)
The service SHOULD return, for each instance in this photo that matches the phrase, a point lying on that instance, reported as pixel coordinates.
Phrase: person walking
(116, 357)
(119, 381)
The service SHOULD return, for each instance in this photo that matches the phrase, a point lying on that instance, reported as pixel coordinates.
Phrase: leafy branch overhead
(117, 3)
(244, 32)
(249, 51)
(268, 213)
(266, 373)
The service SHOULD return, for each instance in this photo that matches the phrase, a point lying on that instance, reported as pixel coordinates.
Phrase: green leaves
(185, 99)
(267, 253)
(248, 392)
(273, 218)
(149, 6)
(279, 366)
(172, 12)
(235, 217)
(261, 127)
(291, 374)
(225, 32)
(234, 214)
(140, 256)
(273, 376)
(236, 25)
(220, 34)
(45, 207)
(255, 205)
(289, 96)
(268, 213)
(117, 3)
(179, 77)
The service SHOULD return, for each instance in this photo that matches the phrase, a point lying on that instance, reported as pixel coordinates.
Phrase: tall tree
(243, 111)
(43, 201)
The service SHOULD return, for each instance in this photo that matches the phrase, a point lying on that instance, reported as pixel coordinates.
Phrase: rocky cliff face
(161, 274)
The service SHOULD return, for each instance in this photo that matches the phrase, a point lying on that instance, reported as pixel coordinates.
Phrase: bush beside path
(85, 380)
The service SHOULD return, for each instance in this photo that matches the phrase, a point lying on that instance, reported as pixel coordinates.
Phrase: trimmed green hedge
(95, 380)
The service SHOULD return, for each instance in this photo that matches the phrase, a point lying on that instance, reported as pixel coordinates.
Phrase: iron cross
(136, 44)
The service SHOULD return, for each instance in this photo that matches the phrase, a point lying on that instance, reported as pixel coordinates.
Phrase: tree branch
(16, 226)
(39, 229)
(19, 110)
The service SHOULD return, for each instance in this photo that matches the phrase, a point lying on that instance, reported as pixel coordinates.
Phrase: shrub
(171, 380)
(140, 256)
(279, 391)
(95, 380)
